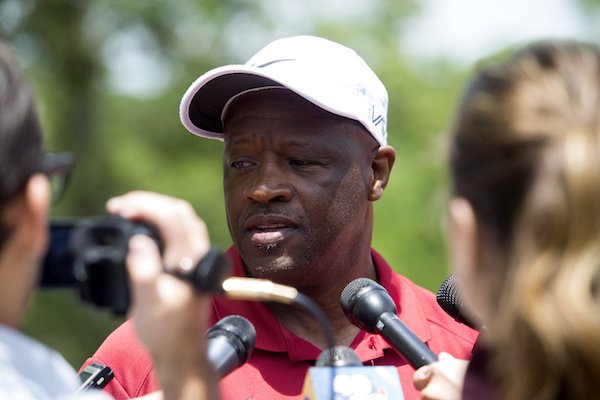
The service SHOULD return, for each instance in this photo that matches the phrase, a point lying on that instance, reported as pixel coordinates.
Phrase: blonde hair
(526, 154)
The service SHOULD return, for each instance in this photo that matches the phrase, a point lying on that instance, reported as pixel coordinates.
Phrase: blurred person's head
(525, 217)
(24, 191)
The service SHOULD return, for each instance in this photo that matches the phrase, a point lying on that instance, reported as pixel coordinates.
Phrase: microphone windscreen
(448, 296)
(350, 291)
(239, 335)
(339, 356)
(450, 299)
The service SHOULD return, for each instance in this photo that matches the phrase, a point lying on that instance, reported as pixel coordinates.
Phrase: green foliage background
(71, 50)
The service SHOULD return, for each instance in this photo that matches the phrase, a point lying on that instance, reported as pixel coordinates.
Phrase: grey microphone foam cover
(339, 356)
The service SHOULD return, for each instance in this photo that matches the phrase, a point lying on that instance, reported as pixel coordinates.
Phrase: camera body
(89, 254)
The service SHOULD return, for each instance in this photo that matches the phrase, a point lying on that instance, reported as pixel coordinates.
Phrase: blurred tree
(590, 3)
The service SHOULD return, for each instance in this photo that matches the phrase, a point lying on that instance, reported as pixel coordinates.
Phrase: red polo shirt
(279, 363)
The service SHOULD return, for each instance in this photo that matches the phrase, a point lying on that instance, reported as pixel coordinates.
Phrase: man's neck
(327, 297)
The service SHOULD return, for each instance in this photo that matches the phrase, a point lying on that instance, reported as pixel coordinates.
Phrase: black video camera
(89, 254)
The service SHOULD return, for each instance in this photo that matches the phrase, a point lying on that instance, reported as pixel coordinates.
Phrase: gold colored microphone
(238, 288)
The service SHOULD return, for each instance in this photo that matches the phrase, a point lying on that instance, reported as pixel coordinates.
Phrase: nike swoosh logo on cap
(275, 61)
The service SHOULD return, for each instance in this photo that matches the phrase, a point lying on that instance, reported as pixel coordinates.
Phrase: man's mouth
(268, 230)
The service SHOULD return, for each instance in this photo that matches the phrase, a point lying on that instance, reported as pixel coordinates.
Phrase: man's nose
(270, 183)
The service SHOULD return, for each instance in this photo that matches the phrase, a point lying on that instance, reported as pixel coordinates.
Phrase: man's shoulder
(124, 337)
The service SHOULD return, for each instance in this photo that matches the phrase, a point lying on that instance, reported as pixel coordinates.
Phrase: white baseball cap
(326, 73)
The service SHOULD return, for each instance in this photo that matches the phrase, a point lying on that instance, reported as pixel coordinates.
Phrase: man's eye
(240, 164)
(301, 163)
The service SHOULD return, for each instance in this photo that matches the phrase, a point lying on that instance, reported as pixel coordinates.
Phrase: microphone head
(338, 356)
(240, 332)
(450, 299)
(364, 301)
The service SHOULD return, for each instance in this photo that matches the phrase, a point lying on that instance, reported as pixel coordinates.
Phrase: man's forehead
(295, 139)
(310, 139)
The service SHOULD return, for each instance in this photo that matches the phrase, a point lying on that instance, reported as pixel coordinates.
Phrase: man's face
(296, 183)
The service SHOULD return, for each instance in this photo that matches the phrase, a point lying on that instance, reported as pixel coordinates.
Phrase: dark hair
(526, 155)
(20, 133)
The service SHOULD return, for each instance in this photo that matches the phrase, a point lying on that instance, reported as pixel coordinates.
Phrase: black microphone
(450, 299)
(229, 343)
(369, 306)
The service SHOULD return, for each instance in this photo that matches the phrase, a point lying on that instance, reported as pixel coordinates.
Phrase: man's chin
(279, 269)
(267, 267)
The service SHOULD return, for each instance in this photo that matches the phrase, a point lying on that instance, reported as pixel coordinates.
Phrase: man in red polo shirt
(305, 156)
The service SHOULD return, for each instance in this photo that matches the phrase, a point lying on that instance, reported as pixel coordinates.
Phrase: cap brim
(202, 104)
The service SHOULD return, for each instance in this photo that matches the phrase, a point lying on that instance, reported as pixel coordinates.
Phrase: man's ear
(382, 167)
(30, 214)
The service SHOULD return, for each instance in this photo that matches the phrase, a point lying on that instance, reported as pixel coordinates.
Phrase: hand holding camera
(148, 245)
(90, 253)
(169, 314)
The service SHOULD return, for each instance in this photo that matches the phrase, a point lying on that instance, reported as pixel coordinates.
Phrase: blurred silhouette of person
(167, 313)
(524, 218)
